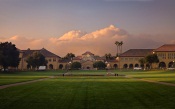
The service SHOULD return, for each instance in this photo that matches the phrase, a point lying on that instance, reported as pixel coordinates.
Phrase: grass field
(90, 92)
(15, 77)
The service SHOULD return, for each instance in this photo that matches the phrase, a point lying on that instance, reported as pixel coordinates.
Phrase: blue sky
(54, 18)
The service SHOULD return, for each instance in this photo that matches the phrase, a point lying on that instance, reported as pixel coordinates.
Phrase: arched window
(50, 66)
(130, 66)
(115, 66)
(61, 66)
(136, 65)
(170, 65)
(162, 65)
(125, 66)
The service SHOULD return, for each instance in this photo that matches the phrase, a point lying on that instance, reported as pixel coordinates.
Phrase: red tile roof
(112, 60)
(166, 48)
(43, 51)
(77, 58)
(137, 53)
(87, 52)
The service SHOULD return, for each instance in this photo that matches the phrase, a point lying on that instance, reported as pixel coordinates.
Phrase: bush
(76, 65)
(99, 65)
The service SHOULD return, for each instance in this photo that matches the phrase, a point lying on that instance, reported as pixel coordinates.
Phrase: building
(166, 55)
(50, 57)
(130, 58)
(87, 60)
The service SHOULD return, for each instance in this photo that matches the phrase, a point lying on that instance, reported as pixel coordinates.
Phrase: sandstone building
(128, 59)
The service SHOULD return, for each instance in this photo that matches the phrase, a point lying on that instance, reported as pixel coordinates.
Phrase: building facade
(50, 57)
(130, 58)
(127, 60)
(87, 60)
(166, 55)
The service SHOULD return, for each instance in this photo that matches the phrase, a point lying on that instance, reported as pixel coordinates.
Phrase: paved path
(21, 83)
(150, 81)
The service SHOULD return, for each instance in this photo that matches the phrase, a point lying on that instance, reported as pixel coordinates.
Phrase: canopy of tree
(36, 60)
(69, 56)
(9, 55)
(149, 59)
(99, 65)
(119, 47)
(76, 65)
(109, 56)
(152, 58)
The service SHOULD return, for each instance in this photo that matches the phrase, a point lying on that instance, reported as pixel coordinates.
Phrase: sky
(76, 26)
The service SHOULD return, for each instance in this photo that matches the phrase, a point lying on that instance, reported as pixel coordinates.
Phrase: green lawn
(161, 76)
(90, 92)
(15, 77)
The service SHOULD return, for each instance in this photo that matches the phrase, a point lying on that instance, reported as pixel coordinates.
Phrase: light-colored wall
(166, 57)
(87, 64)
(51, 60)
(128, 61)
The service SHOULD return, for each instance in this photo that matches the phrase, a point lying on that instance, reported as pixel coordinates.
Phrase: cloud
(24, 42)
(98, 42)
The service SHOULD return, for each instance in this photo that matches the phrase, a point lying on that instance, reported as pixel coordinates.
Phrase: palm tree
(117, 44)
(108, 56)
(120, 44)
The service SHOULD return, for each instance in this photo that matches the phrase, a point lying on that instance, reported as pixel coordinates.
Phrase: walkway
(21, 83)
(150, 81)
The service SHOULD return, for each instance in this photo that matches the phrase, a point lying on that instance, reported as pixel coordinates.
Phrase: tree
(152, 58)
(119, 47)
(36, 60)
(142, 61)
(76, 65)
(99, 65)
(108, 56)
(69, 56)
(9, 55)
(117, 44)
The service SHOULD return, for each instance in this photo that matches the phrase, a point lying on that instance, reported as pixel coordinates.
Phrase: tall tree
(152, 58)
(99, 65)
(76, 65)
(36, 60)
(69, 56)
(120, 45)
(108, 56)
(9, 55)
(117, 44)
(142, 61)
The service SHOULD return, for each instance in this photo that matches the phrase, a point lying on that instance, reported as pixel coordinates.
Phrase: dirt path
(150, 81)
(21, 83)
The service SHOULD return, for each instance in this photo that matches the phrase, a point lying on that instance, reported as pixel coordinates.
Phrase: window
(130, 59)
(163, 56)
(50, 60)
(54, 59)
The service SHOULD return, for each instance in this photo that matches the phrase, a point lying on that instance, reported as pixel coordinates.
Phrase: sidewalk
(21, 83)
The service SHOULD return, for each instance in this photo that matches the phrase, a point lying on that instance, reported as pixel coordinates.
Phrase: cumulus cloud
(24, 42)
(98, 42)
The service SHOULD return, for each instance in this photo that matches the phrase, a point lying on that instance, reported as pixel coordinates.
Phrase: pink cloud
(99, 42)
